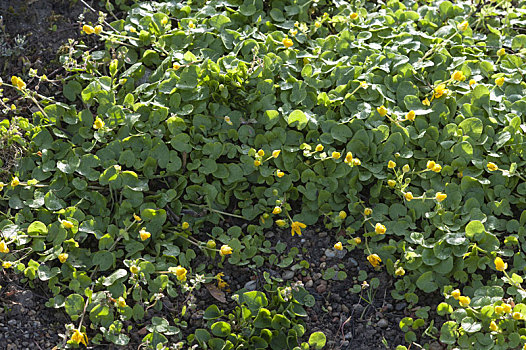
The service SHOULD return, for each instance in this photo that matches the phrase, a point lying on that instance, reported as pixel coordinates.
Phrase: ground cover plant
(199, 126)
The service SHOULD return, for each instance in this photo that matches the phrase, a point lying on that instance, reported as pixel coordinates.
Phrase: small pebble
(382, 323)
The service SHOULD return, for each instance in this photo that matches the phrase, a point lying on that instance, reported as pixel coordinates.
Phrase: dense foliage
(400, 123)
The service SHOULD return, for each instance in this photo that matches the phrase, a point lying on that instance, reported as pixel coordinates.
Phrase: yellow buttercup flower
(391, 183)
(257, 163)
(493, 326)
(317, 24)
(296, 227)
(144, 234)
(426, 102)
(277, 210)
(63, 257)
(336, 155)
(225, 250)
(499, 81)
(275, 153)
(406, 168)
(408, 196)
(440, 90)
(3, 247)
(185, 225)
(88, 29)
(356, 161)
(374, 260)
(439, 196)
(191, 25)
(319, 148)
(2, 186)
(342, 215)
(228, 121)
(15, 181)
(400, 271)
(180, 272)
(261, 153)
(492, 166)
(99, 123)
(287, 42)
(176, 66)
(501, 52)
(472, 82)
(338, 246)
(211, 244)
(517, 316)
(281, 223)
(367, 211)
(137, 218)
(458, 76)
(78, 337)
(348, 157)
(430, 164)
(134, 269)
(379, 228)
(410, 116)
(354, 15)
(121, 302)
(97, 29)
(279, 173)
(363, 84)
(6, 264)
(464, 300)
(500, 265)
(456, 294)
(437, 168)
(391, 164)
(67, 224)
(357, 240)
(19, 83)
(382, 110)
(506, 308)
(463, 26)
(499, 309)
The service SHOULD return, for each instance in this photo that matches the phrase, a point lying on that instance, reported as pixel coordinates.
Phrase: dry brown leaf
(217, 293)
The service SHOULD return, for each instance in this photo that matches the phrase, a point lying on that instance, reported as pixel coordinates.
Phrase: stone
(322, 288)
(287, 275)
(382, 323)
(251, 285)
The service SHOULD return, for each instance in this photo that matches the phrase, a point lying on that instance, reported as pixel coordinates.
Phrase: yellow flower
(472, 82)
(506, 308)
(456, 294)
(391, 183)
(439, 196)
(225, 250)
(121, 302)
(287, 42)
(430, 164)
(317, 24)
(275, 153)
(517, 316)
(296, 227)
(180, 272)
(97, 29)
(458, 76)
(356, 161)
(410, 116)
(379, 228)
(464, 300)
(406, 168)
(363, 84)
(133, 30)
(134, 269)
(338, 246)
(499, 81)
(257, 163)
(144, 234)
(63, 257)
(440, 90)
(191, 25)
(348, 157)
(400, 271)
(137, 217)
(437, 168)
(211, 244)
(499, 310)
(99, 123)
(15, 181)
(319, 147)
(367, 211)
(426, 102)
(357, 240)
(354, 15)
(492, 166)
(185, 225)
(382, 110)
(342, 215)
(408, 196)
(501, 52)
(493, 326)
(277, 210)
(3, 247)
(1, 186)
(78, 337)
(336, 155)
(6, 264)
(463, 26)
(374, 260)
(261, 153)
(500, 265)
(176, 67)
(281, 223)
(279, 173)
(228, 121)
(19, 83)
(88, 29)
(293, 32)
(391, 164)
(67, 224)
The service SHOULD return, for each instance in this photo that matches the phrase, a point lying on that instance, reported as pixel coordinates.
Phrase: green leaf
(299, 117)
(37, 228)
(426, 282)
(317, 340)
(74, 306)
(221, 329)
